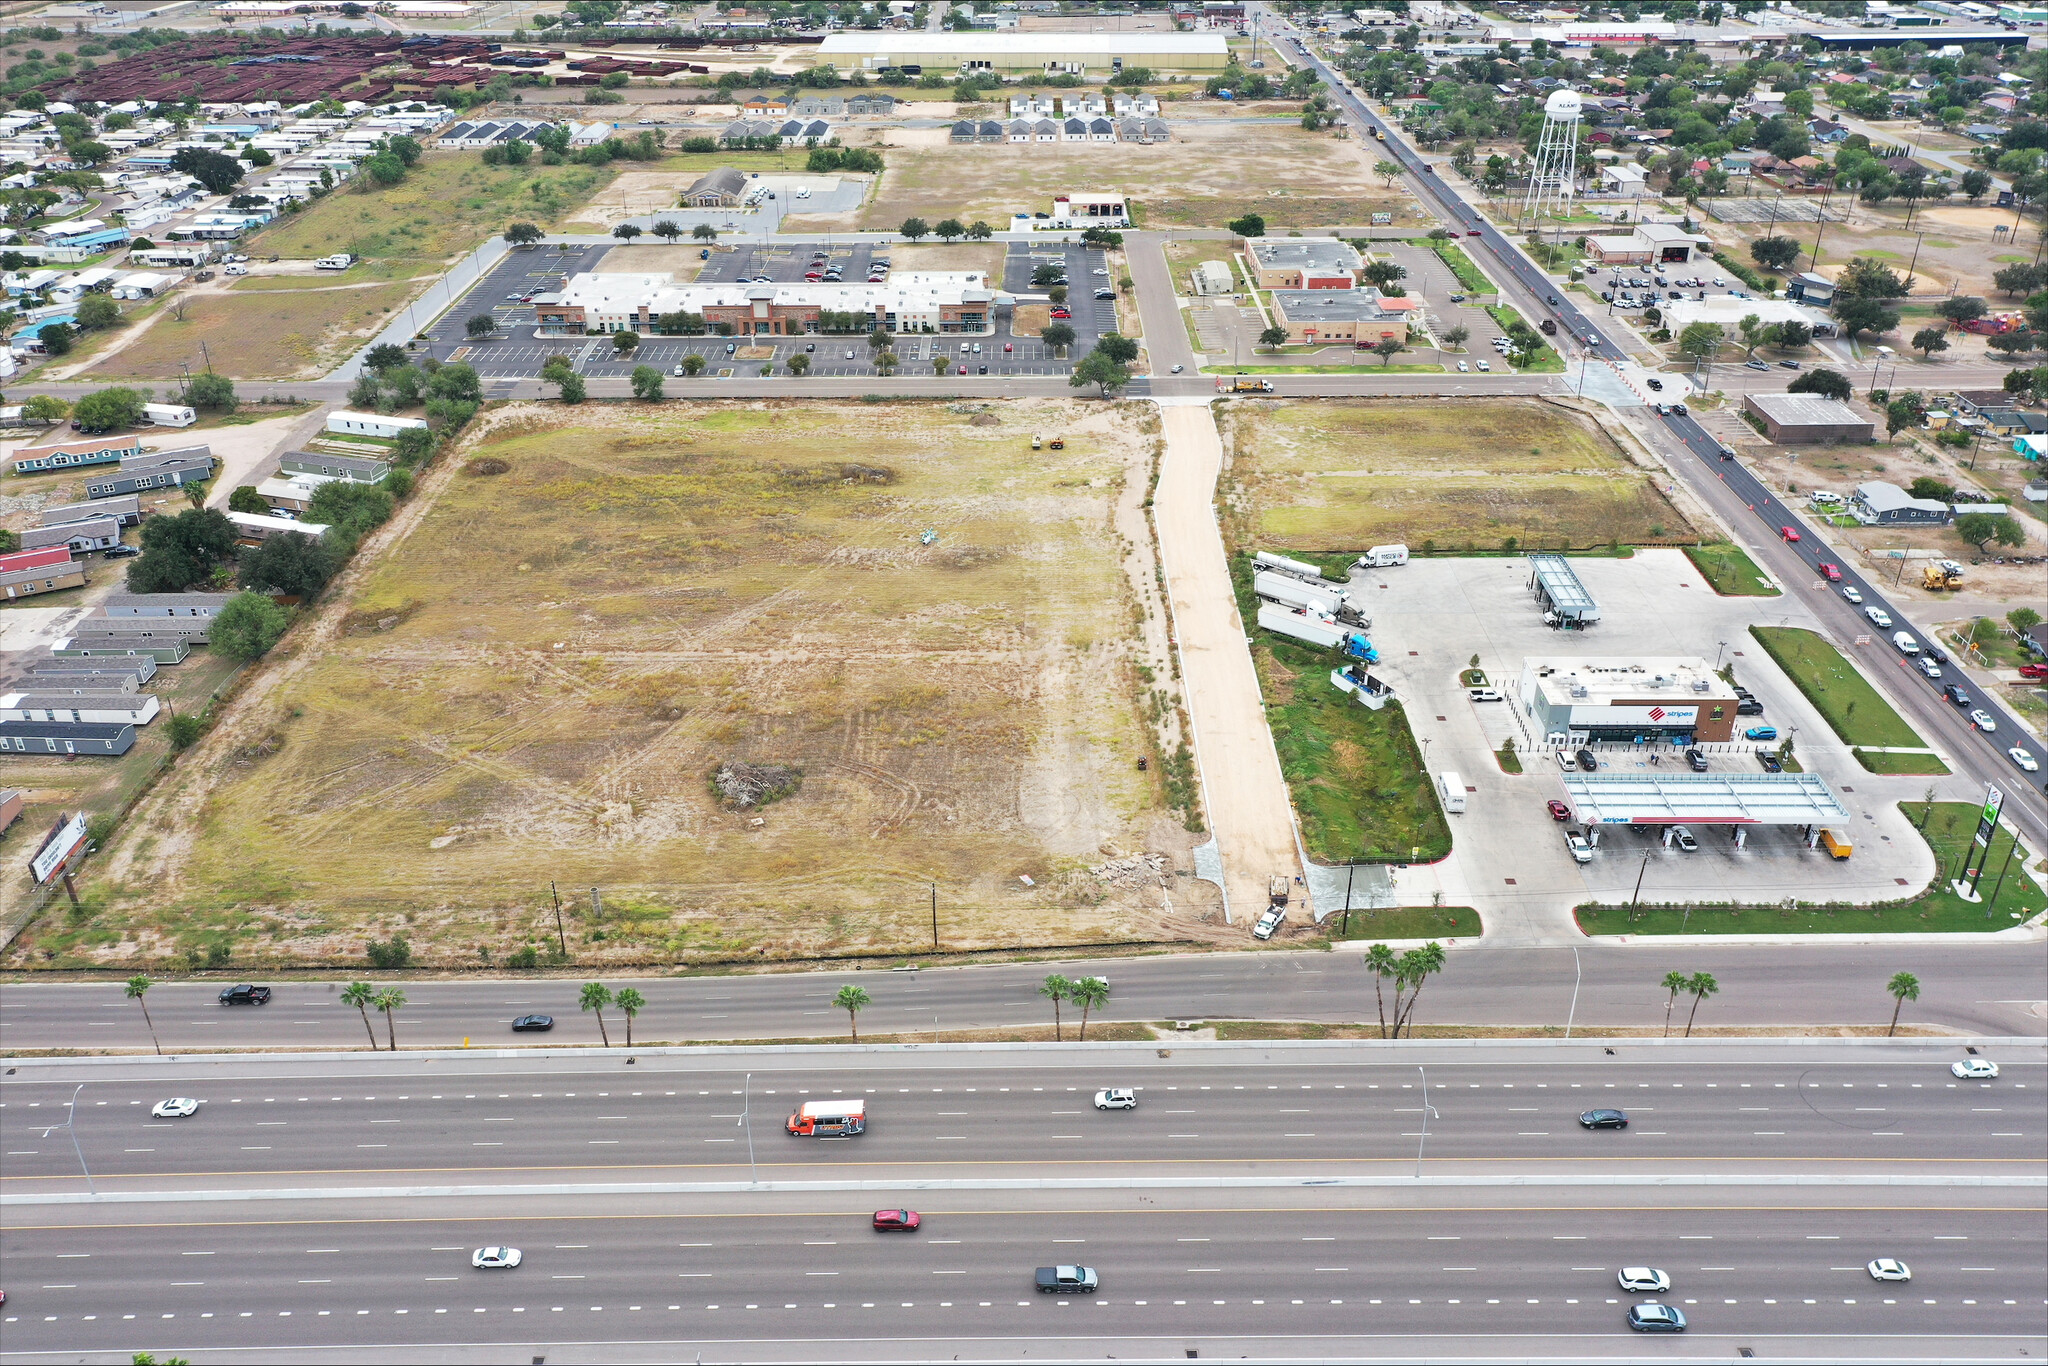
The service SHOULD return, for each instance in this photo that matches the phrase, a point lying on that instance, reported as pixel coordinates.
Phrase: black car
(1603, 1119)
(122, 552)
(1935, 653)
(245, 995)
(1697, 760)
(1655, 384)
(538, 1024)
(1771, 762)
(1587, 761)
(1956, 695)
(1748, 706)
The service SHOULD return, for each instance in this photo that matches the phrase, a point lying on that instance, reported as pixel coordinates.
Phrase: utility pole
(1350, 871)
(935, 917)
(560, 938)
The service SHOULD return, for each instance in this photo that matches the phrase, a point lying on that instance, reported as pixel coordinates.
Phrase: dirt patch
(283, 334)
(680, 264)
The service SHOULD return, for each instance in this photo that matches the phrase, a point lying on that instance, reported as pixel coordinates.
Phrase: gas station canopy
(1702, 799)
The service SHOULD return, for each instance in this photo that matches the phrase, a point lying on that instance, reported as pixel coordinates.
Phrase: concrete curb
(1030, 1184)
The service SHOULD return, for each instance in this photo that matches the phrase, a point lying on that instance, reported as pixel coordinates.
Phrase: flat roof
(1311, 253)
(1806, 410)
(1590, 681)
(606, 294)
(1075, 44)
(1703, 799)
(1561, 585)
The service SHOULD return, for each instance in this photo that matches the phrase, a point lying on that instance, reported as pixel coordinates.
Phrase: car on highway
(1831, 572)
(1656, 1318)
(897, 1220)
(1682, 837)
(178, 1107)
(1956, 694)
(494, 1258)
(1066, 1280)
(1791, 536)
(1558, 810)
(1269, 922)
(1644, 1280)
(1788, 365)
(1581, 851)
(245, 995)
(1116, 1098)
(1974, 1069)
(1982, 720)
(1927, 667)
(2022, 760)
(1889, 1269)
(1760, 733)
(533, 1024)
(1850, 593)
(1878, 617)
(1604, 1119)
(1937, 654)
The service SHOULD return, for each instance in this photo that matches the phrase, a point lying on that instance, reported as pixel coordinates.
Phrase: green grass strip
(1730, 572)
(1838, 691)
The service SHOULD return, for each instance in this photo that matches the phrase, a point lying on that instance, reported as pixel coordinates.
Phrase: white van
(1905, 643)
(1451, 788)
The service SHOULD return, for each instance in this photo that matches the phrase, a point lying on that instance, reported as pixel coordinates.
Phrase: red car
(1831, 572)
(1063, 313)
(897, 1220)
(1009, 346)
(1558, 810)
(1788, 533)
(2034, 671)
(1473, 233)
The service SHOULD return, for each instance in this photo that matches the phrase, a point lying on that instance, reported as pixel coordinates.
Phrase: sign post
(1979, 853)
(64, 842)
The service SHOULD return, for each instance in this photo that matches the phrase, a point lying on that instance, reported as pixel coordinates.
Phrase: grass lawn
(1838, 691)
(1948, 831)
(1883, 761)
(1729, 570)
(446, 204)
(275, 334)
(1356, 774)
(1469, 275)
(1406, 922)
(1546, 361)
(1322, 369)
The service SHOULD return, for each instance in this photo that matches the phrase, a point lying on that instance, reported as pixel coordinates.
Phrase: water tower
(1553, 179)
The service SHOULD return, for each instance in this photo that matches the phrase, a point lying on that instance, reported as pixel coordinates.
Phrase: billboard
(1987, 821)
(1685, 717)
(64, 840)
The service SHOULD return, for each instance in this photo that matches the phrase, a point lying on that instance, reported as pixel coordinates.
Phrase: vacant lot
(446, 204)
(538, 681)
(1470, 475)
(265, 334)
(1210, 174)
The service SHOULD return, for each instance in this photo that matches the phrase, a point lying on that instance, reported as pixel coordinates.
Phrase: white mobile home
(344, 423)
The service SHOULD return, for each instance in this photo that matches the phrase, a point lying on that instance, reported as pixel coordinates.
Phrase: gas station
(1734, 800)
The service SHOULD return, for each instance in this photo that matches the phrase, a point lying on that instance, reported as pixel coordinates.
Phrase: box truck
(830, 1118)
(1836, 843)
(1380, 556)
(168, 415)
(1451, 788)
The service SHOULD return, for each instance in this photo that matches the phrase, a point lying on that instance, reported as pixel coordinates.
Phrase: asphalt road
(1987, 989)
(293, 1120)
(800, 1277)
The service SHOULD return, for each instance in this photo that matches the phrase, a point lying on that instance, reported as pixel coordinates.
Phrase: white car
(1463, 368)
(1981, 719)
(1484, 366)
(1483, 695)
(1974, 1069)
(494, 1258)
(679, 372)
(1878, 616)
(1116, 1100)
(184, 1107)
(2024, 760)
(234, 270)
(1269, 922)
(1644, 1279)
(1582, 852)
(1890, 1269)
(1850, 593)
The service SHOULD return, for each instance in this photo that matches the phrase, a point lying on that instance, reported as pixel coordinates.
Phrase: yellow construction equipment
(1941, 576)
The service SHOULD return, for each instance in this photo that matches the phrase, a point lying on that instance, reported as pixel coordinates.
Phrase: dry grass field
(536, 680)
(267, 334)
(1340, 476)
(1212, 172)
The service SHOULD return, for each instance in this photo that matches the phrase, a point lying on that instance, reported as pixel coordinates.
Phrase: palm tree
(1674, 982)
(852, 1000)
(1381, 963)
(137, 986)
(359, 995)
(1904, 987)
(1701, 985)
(389, 1000)
(1416, 966)
(596, 996)
(630, 1003)
(1091, 992)
(1057, 989)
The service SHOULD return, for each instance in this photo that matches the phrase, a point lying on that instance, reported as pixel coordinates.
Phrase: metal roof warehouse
(1702, 799)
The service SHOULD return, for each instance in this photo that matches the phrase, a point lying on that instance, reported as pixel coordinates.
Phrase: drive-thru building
(1649, 700)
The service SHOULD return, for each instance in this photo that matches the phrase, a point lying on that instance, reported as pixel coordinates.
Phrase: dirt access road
(1241, 782)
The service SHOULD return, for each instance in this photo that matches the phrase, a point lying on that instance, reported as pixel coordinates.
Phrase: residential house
(988, 130)
(128, 509)
(72, 452)
(355, 469)
(94, 533)
(963, 132)
(1826, 130)
(341, 422)
(2006, 422)
(745, 130)
(817, 106)
(204, 606)
(1074, 130)
(90, 708)
(290, 496)
(65, 737)
(1884, 504)
(1810, 288)
(870, 104)
(254, 528)
(777, 105)
(172, 473)
(50, 577)
(104, 675)
(101, 648)
(1019, 130)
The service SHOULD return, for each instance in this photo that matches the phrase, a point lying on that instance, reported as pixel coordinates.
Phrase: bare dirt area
(1213, 171)
(681, 264)
(276, 334)
(1464, 475)
(705, 660)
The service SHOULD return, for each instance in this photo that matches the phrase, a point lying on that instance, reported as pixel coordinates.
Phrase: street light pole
(70, 1118)
(1578, 974)
(1427, 1111)
(747, 1122)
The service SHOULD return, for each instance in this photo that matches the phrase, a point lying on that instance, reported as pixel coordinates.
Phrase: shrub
(389, 955)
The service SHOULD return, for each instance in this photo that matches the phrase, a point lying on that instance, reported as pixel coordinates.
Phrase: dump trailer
(1317, 628)
(1294, 593)
(1280, 564)
(1941, 576)
(1251, 386)
(830, 1118)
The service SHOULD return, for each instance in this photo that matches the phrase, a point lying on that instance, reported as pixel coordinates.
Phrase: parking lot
(1431, 616)
(518, 353)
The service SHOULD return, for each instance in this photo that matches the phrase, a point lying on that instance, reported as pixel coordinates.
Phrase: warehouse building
(1807, 419)
(1678, 700)
(1052, 54)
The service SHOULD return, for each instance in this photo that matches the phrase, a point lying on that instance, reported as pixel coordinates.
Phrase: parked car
(1761, 733)
(1581, 851)
(1483, 695)
(1587, 761)
(245, 995)
(1269, 922)
(122, 552)
(1771, 762)
(1696, 760)
(1558, 810)
(1682, 837)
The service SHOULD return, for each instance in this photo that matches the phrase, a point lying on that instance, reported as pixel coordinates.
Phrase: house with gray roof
(719, 189)
(354, 469)
(90, 675)
(88, 708)
(127, 509)
(65, 737)
(181, 605)
(1879, 503)
(94, 533)
(166, 474)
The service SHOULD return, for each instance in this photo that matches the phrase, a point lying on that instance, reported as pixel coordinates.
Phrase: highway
(1978, 988)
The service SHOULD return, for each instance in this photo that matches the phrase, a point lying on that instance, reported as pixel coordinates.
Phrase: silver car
(1116, 1099)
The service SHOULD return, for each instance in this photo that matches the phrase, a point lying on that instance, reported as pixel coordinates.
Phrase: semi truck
(830, 1118)
(1280, 564)
(1293, 592)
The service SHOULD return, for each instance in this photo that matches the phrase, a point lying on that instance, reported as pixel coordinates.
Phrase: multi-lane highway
(1968, 988)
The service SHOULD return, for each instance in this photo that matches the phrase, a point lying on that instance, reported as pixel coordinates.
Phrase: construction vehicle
(1379, 134)
(1035, 443)
(1251, 386)
(1277, 889)
(1941, 576)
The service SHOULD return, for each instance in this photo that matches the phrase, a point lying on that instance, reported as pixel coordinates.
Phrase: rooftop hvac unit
(1579, 690)
(1699, 685)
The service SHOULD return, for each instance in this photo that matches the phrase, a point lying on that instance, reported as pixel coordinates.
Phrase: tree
(1672, 984)
(211, 391)
(1701, 985)
(2023, 619)
(1702, 340)
(2019, 278)
(459, 381)
(293, 564)
(947, 229)
(1056, 989)
(1091, 993)
(97, 312)
(523, 234)
(1098, 369)
(1412, 970)
(667, 230)
(626, 232)
(693, 365)
(647, 383)
(1859, 315)
(1974, 184)
(625, 343)
(978, 231)
(1387, 171)
(1902, 413)
(45, 408)
(1904, 987)
(1961, 309)
(1823, 381)
(1386, 348)
(596, 996)
(216, 172)
(1382, 964)
(108, 409)
(915, 229)
(1273, 337)
(137, 988)
(1794, 335)
(1118, 348)
(1384, 274)
(940, 365)
(1775, 253)
(1251, 225)
(1929, 340)
(1982, 528)
(886, 362)
(245, 498)
(389, 1001)
(1867, 278)
(799, 364)
(247, 626)
(557, 371)
(384, 356)
(630, 1003)
(704, 232)
(57, 338)
(852, 1000)
(359, 995)
(1058, 294)
(1455, 337)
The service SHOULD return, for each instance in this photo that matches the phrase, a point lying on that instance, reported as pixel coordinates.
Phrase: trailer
(1294, 593)
(1280, 564)
(168, 415)
(1317, 628)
